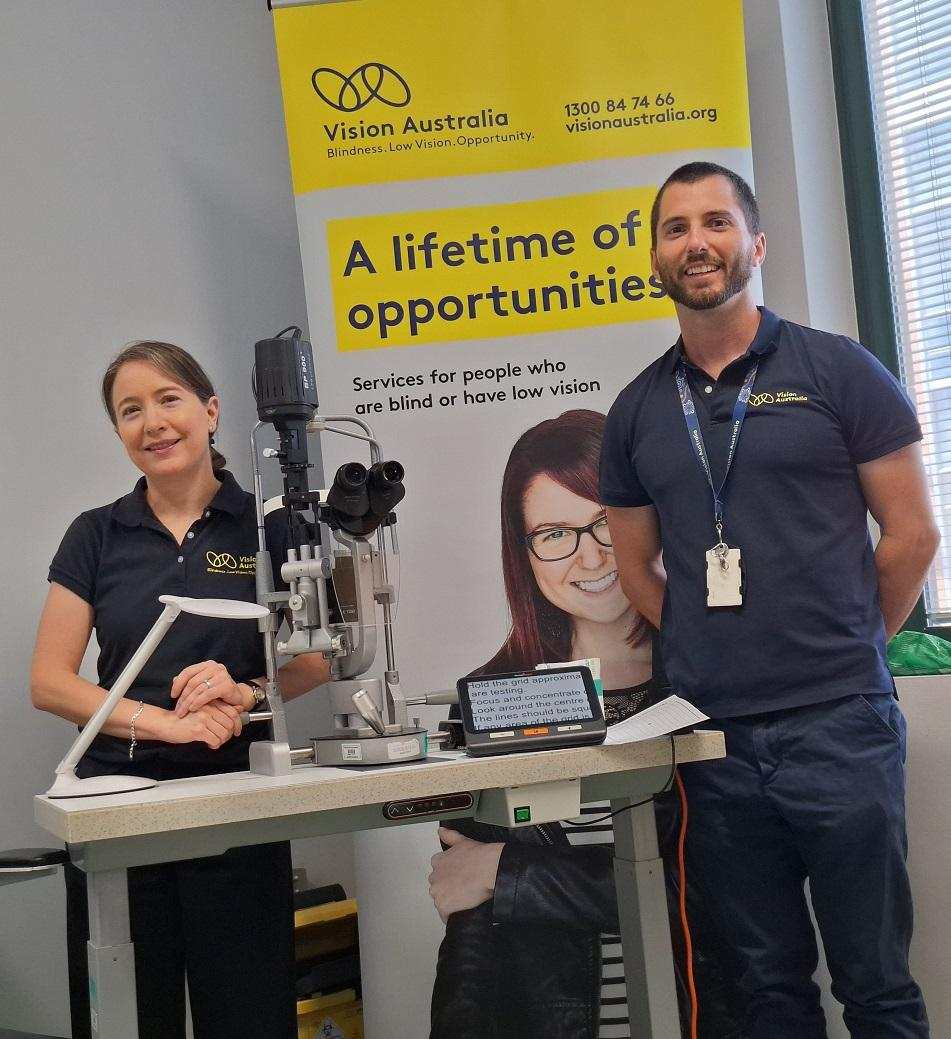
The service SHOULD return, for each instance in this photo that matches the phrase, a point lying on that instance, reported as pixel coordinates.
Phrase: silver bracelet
(132, 738)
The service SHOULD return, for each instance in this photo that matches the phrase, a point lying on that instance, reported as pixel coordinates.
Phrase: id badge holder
(724, 576)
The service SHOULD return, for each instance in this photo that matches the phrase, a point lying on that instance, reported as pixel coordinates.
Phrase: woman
(186, 528)
(532, 946)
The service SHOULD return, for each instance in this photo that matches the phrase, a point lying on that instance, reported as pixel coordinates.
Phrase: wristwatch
(258, 692)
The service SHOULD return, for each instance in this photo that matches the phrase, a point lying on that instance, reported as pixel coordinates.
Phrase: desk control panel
(420, 807)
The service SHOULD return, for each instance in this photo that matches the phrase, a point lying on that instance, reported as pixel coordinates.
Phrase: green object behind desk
(915, 653)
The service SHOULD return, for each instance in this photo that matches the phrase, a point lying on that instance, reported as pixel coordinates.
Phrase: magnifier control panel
(530, 710)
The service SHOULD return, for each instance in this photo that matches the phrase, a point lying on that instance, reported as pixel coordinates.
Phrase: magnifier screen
(538, 699)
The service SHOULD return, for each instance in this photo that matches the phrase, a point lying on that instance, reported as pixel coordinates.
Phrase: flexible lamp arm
(66, 783)
(121, 686)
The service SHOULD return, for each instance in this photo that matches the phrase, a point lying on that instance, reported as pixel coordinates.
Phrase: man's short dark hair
(695, 171)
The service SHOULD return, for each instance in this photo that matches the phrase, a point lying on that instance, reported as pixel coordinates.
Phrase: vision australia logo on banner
(407, 90)
(374, 81)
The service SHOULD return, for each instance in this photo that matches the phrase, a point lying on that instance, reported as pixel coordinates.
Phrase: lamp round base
(96, 786)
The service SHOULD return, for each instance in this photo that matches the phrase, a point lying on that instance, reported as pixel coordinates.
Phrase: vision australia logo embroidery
(758, 400)
(226, 563)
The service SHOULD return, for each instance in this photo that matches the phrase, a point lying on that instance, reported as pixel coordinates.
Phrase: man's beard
(738, 276)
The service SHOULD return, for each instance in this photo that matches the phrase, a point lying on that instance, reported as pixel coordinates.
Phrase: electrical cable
(682, 882)
(638, 804)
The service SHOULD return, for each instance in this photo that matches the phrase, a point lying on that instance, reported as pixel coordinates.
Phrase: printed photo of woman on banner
(523, 967)
(561, 581)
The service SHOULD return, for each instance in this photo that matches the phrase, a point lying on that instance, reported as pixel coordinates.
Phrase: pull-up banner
(473, 185)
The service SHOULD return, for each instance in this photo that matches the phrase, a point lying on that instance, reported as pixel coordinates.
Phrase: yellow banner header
(478, 272)
(391, 90)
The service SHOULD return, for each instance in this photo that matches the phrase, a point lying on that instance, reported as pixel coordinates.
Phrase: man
(738, 471)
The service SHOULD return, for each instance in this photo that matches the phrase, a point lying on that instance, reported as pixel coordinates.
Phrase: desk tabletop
(240, 797)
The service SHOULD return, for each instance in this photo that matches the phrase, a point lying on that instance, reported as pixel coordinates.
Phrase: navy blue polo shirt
(120, 559)
(810, 628)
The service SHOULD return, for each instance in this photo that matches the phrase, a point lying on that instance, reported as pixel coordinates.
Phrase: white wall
(796, 162)
(146, 193)
(927, 706)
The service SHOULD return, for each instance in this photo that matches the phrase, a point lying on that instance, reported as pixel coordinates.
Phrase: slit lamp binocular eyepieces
(360, 499)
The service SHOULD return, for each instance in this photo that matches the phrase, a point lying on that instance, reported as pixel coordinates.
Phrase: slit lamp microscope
(338, 571)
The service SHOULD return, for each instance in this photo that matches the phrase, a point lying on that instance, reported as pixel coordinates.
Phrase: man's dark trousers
(817, 792)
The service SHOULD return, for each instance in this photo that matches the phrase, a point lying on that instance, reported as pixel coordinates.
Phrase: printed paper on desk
(660, 720)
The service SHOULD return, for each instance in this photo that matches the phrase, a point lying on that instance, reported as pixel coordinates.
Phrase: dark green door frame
(863, 200)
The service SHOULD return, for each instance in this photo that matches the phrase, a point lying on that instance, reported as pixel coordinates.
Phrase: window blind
(909, 56)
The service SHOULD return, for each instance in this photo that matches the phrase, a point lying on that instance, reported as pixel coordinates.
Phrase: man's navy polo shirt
(810, 628)
(120, 559)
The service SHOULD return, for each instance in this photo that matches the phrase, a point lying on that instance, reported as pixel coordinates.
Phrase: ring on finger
(207, 683)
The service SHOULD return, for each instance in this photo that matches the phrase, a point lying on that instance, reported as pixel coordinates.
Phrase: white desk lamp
(66, 783)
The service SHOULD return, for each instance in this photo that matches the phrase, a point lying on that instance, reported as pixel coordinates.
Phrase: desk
(189, 818)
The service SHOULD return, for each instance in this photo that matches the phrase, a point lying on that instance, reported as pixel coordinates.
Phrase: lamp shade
(224, 609)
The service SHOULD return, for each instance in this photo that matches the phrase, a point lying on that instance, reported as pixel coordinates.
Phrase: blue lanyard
(696, 437)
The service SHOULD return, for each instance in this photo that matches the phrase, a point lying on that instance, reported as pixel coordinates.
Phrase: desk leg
(112, 1007)
(645, 928)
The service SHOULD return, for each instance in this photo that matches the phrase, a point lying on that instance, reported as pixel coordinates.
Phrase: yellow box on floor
(337, 1016)
(325, 929)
